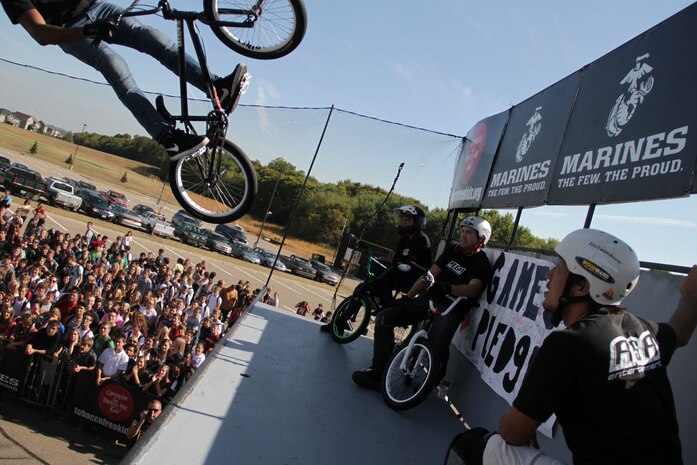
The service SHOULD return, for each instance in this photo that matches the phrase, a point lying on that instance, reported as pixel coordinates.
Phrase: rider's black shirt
(55, 12)
(416, 249)
(459, 267)
(605, 378)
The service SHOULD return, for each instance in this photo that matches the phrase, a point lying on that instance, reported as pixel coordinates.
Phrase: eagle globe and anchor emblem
(640, 83)
(534, 127)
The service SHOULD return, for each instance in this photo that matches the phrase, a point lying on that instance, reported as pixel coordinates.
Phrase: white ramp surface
(280, 393)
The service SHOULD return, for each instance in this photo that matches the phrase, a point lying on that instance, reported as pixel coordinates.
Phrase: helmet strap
(566, 299)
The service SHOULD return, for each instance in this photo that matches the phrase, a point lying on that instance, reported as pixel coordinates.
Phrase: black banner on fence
(631, 135)
(475, 161)
(523, 170)
(111, 405)
(13, 371)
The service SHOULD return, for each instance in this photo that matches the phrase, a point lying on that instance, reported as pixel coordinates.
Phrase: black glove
(438, 290)
(103, 29)
(403, 300)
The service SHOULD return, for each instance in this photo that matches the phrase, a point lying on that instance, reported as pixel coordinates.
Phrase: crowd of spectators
(87, 301)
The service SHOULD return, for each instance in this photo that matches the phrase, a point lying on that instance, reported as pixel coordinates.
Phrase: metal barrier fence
(49, 382)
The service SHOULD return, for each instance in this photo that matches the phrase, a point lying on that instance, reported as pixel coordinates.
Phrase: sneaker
(179, 144)
(326, 328)
(231, 87)
(368, 378)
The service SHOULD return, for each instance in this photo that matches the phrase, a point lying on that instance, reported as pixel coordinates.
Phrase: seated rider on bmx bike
(413, 246)
(462, 270)
(604, 375)
(74, 25)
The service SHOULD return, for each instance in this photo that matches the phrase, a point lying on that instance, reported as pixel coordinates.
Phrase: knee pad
(468, 448)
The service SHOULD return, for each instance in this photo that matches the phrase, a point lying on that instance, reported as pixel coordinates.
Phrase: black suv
(4, 163)
(95, 205)
(234, 233)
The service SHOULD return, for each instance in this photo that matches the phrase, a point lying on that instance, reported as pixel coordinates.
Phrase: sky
(441, 66)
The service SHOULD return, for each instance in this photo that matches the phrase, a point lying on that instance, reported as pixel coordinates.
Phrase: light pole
(268, 209)
(268, 213)
(72, 159)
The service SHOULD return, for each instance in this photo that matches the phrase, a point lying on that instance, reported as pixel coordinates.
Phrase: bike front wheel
(350, 319)
(217, 185)
(403, 389)
(267, 29)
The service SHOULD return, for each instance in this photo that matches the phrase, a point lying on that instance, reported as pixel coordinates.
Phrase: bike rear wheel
(218, 185)
(402, 390)
(350, 319)
(277, 29)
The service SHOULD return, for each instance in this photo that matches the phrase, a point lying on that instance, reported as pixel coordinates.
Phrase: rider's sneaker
(231, 87)
(326, 328)
(368, 378)
(179, 144)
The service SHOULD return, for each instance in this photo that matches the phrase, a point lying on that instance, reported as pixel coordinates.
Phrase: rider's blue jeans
(133, 34)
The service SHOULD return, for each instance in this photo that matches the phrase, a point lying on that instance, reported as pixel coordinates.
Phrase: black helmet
(416, 214)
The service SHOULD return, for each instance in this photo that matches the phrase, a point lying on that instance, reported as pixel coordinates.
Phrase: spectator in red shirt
(68, 303)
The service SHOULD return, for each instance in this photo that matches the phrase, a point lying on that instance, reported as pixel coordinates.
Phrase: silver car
(217, 242)
(267, 258)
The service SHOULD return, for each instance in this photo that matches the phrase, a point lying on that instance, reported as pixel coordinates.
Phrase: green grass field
(103, 167)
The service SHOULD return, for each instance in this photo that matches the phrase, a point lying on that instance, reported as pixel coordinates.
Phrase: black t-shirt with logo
(458, 267)
(605, 379)
(55, 12)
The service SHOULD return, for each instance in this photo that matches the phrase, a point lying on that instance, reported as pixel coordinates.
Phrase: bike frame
(358, 292)
(189, 17)
(423, 332)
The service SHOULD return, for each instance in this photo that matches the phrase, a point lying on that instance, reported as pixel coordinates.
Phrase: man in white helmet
(462, 270)
(604, 375)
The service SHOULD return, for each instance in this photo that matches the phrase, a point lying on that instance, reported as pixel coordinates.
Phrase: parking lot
(291, 289)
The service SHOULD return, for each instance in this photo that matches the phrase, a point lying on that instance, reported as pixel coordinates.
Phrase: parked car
(244, 252)
(127, 217)
(140, 209)
(4, 163)
(182, 217)
(189, 234)
(157, 224)
(18, 179)
(267, 258)
(84, 185)
(22, 166)
(115, 198)
(95, 205)
(301, 266)
(62, 194)
(217, 242)
(234, 233)
(324, 273)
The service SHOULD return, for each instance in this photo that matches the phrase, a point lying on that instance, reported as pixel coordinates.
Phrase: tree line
(326, 209)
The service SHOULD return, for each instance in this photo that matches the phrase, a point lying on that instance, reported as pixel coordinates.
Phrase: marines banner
(631, 135)
(475, 161)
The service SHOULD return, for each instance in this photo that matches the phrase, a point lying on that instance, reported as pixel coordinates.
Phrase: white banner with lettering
(506, 330)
